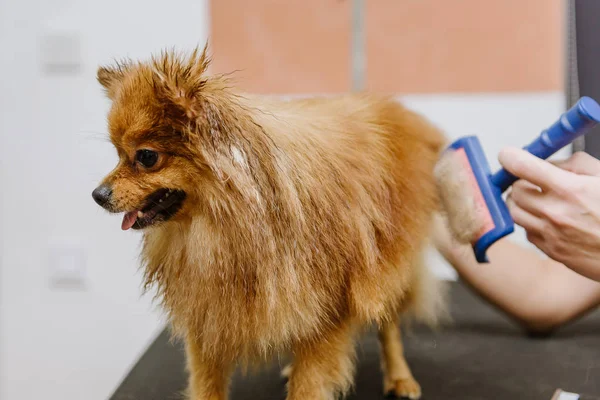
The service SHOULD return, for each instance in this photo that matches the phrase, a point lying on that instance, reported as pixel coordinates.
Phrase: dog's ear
(110, 77)
(179, 81)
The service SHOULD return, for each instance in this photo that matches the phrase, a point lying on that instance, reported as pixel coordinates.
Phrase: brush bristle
(458, 198)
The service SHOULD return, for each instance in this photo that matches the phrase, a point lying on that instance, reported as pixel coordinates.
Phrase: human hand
(558, 205)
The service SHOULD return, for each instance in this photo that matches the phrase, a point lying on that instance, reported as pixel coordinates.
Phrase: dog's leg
(397, 377)
(209, 378)
(324, 368)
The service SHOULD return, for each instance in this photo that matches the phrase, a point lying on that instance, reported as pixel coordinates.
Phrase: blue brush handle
(582, 117)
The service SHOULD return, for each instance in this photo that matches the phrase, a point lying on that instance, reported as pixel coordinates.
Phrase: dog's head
(160, 122)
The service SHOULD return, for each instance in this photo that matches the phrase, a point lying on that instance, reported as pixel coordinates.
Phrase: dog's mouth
(160, 206)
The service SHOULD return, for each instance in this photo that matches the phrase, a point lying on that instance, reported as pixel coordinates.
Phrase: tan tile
(429, 46)
(291, 46)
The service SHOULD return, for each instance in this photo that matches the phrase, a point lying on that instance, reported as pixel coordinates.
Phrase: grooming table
(482, 355)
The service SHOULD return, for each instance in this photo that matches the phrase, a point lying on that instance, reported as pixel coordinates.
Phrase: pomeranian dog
(274, 227)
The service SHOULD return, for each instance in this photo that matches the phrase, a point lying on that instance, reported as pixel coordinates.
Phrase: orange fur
(304, 220)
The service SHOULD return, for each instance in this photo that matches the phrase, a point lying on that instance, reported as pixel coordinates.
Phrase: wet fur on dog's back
(301, 216)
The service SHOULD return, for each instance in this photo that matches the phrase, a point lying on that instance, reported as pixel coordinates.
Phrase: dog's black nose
(102, 194)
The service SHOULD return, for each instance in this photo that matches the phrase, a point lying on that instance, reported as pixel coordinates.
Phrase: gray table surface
(481, 355)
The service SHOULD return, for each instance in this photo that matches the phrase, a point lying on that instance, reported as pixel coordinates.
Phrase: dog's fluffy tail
(428, 298)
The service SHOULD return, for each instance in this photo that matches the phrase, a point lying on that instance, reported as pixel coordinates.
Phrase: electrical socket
(67, 266)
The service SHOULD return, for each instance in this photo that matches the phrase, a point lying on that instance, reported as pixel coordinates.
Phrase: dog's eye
(146, 157)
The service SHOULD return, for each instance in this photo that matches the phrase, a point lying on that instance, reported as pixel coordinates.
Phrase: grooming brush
(472, 197)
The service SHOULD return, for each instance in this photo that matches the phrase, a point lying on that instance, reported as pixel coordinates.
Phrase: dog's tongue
(128, 220)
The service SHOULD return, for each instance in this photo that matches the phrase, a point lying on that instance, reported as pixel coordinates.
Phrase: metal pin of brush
(472, 196)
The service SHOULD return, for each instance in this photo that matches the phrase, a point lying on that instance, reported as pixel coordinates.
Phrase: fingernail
(504, 155)
(507, 154)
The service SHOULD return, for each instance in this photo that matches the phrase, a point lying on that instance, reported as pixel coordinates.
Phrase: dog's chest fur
(234, 305)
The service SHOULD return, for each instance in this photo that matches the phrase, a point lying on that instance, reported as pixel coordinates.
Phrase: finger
(530, 222)
(522, 183)
(580, 163)
(528, 197)
(527, 166)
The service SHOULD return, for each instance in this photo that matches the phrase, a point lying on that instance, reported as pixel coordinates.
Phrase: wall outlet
(61, 53)
(67, 265)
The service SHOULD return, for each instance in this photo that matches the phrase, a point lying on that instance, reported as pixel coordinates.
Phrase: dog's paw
(407, 388)
(286, 371)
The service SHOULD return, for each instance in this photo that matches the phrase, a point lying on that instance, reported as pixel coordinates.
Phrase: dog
(274, 227)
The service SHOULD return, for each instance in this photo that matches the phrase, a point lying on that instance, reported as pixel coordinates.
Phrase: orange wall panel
(283, 46)
(432, 46)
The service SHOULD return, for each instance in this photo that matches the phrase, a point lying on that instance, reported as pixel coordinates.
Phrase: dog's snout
(102, 195)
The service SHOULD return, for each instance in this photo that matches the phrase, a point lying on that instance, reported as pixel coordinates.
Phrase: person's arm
(538, 292)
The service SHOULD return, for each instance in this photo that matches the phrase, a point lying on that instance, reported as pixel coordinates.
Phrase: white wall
(70, 345)
(74, 345)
